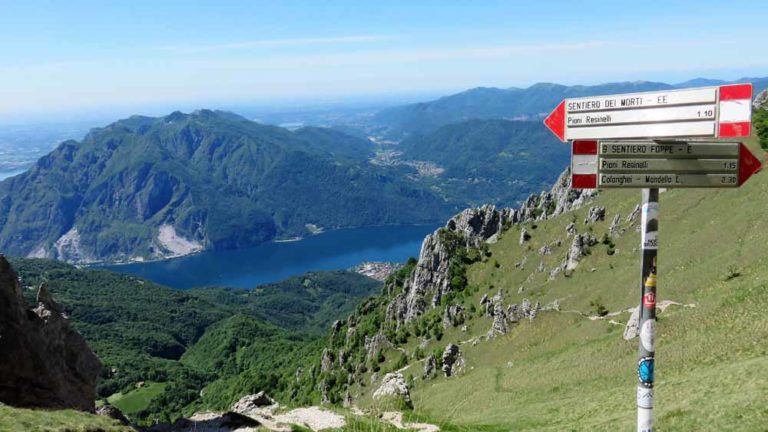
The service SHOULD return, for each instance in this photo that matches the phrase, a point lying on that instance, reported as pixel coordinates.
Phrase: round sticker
(648, 335)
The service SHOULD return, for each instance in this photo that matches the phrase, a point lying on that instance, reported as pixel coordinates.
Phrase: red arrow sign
(748, 164)
(705, 112)
(643, 164)
(556, 121)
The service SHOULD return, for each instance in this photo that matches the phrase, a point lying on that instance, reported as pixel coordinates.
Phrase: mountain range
(148, 188)
(531, 103)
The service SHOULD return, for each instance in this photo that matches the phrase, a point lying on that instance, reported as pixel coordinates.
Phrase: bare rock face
(472, 228)
(43, 362)
(431, 281)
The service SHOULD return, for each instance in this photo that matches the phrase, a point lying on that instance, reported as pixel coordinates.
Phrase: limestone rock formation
(578, 250)
(326, 362)
(454, 316)
(630, 332)
(43, 362)
(452, 360)
(524, 236)
(595, 214)
(393, 386)
(472, 228)
(499, 325)
(615, 228)
(430, 367)
(254, 404)
(632, 216)
(375, 344)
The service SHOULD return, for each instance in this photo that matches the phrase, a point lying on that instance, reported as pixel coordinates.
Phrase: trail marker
(713, 112)
(663, 164)
(656, 140)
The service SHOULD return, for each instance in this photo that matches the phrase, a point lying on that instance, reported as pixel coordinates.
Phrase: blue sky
(80, 56)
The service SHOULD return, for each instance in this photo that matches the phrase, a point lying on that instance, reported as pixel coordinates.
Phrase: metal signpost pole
(647, 316)
(665, 139)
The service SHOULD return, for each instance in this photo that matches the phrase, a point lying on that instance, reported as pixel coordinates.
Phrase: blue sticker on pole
(645, 371)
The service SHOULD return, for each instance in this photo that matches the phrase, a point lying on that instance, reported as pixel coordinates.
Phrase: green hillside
(188, 340)
(157, 187)
(570, 369)
(491, 161)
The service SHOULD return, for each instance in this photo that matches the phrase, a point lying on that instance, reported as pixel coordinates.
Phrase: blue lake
(249, 267)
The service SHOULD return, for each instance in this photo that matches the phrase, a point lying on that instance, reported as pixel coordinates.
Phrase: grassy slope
(564, 372)
(16, 419)
(136, 400)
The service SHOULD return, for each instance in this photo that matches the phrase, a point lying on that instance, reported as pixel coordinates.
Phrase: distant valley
(147, 188)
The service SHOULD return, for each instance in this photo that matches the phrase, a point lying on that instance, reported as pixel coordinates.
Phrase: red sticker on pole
(649, 300)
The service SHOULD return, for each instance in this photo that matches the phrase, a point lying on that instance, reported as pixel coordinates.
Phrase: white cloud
(271, 43)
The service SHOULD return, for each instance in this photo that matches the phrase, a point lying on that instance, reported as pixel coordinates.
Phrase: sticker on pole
(650, 221)
(645, 397)
(648, 334)
(645, 371)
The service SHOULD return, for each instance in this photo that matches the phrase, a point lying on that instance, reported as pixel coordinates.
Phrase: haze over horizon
(87, 58)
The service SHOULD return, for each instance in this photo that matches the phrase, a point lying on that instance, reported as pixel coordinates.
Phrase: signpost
(709, 112)
(660, 164)
(664, 139)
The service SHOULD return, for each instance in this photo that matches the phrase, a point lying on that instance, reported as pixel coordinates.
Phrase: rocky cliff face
(43, 362)
(472, 228)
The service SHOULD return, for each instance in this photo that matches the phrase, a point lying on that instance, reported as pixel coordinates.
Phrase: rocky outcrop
(375, 344)
(524, 236)
(43, 362)
(499, 325)
(112, 412)
(430, 367)
(761, 101)
(578, 250)
(630, 331)
(454, 316)
(453, 362)
(594, 215)
(254, 404)
(615, 228)
(632, 216)
(430, 280)
(326, 362)
(473, 228)
(393, 387)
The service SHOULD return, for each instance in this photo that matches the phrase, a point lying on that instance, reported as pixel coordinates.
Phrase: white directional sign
(715, 112)
(665, 164)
